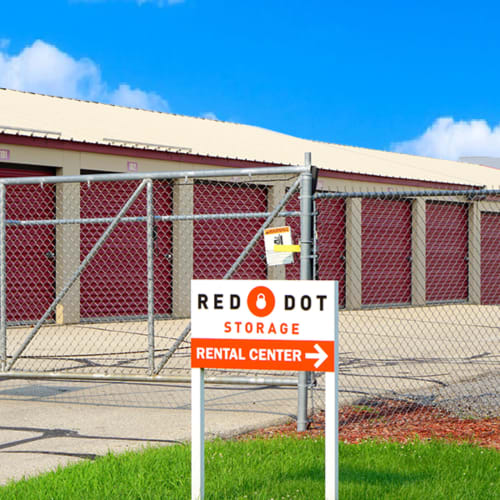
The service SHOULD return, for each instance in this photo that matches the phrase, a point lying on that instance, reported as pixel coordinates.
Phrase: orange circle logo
(261, 301)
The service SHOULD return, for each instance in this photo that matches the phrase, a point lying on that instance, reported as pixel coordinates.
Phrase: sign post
(264, 325)
(197, 434)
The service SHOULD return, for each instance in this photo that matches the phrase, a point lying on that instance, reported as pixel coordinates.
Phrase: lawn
(278, 468)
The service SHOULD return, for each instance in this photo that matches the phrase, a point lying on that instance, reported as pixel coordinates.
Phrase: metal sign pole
(197, 433)
(332, 418)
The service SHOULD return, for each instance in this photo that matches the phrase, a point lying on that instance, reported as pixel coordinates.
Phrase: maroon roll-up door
(219, 242)
(490, 258)
(446, 248)
(114, 284)
(293, 270)
(30, 250)
(331, 242)
(385, 252)
(330, 230)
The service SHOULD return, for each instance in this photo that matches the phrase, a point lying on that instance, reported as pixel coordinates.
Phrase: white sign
(278, 236)
(263, 325)
(257, 309)
(277, 325)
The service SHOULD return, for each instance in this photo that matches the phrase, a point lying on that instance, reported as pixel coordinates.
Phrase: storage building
(384, 251)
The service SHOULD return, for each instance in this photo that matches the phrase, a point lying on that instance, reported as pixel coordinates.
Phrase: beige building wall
(66, 160)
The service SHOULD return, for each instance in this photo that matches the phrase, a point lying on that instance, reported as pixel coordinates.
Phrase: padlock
(261, 301)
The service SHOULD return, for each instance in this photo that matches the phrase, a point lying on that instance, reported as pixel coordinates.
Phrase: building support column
(68, 241)
(276, 193)
(474, 255)
(418, 252)
(353, 254)
(182, 254)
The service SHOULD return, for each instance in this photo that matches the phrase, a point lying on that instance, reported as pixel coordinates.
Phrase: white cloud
(209, 115)
(450, 139)
(4, 43)
(45, 69)
(136, 98)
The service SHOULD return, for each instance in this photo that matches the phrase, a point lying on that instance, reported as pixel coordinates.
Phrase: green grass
(280, 468)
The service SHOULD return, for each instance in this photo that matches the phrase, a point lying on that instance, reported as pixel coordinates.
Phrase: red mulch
(399, 421)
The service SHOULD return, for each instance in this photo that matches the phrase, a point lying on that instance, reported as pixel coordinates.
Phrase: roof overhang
(197, 159)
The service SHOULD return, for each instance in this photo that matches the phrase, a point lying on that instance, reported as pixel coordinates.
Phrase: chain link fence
(95, 276)
(419, 286)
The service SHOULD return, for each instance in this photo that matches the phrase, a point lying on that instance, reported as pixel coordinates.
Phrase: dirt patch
(400, 421)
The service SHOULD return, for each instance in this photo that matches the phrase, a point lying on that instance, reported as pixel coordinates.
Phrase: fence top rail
(177, 174)
(471, 194)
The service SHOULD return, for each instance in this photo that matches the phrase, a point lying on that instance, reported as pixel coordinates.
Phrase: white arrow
(320, 355)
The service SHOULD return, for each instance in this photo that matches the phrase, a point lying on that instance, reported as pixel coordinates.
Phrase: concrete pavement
(44, 424)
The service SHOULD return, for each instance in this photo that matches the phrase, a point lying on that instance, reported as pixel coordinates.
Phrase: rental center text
(254, 354)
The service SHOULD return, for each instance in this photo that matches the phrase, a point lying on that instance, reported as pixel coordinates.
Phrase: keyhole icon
(261, 301)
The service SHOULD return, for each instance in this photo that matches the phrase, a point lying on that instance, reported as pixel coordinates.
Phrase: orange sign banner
(282, 355)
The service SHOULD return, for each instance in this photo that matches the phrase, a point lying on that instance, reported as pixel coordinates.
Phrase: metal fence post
(3, 307)
(151, 283)
(306, 272)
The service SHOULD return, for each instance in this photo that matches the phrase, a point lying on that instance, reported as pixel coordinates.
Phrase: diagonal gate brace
(77, 274)
(234, 267)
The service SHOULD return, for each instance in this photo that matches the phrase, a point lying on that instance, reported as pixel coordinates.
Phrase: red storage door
(446, 244)
(114, 284)
(330, 231)
(331, 242)
(30, 250)
(293, 270)
(490, 258)
(385, 252)
(219, 242)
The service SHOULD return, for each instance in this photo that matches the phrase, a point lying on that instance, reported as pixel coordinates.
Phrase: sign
(278, 236)
(263, 325)
(132, 166)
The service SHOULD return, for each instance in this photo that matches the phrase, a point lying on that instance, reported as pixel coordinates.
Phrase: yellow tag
(287, 248)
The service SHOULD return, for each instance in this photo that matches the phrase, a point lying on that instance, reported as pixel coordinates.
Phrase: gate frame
(147, 179)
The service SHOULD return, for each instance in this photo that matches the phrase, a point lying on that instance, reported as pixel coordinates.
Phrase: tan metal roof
(82, 121)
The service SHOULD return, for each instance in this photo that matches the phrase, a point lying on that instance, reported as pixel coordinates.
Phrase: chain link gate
(95, 270)
(419, 293)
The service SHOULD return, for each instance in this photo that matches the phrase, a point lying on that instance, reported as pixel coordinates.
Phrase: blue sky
(419, 77)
